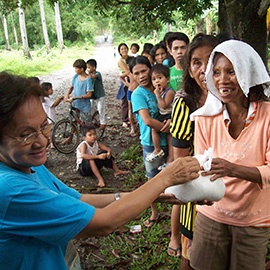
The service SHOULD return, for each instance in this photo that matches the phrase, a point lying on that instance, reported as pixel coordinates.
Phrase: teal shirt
(142, 98)
(98, 86)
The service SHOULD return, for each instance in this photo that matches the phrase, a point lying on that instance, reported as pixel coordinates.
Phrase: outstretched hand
(180, 171)
(219, 168)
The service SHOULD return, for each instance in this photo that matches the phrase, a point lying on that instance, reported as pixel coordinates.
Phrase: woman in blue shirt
(39, 215)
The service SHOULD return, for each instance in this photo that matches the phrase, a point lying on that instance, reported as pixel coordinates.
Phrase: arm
(149, 121)
(88, 156)
(105, 148)
(221, 167)
(180, 171)
(168, 99)
(123, 66)
(57, 101)
(68, 93)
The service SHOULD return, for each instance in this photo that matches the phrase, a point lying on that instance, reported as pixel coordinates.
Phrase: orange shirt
(245, 203)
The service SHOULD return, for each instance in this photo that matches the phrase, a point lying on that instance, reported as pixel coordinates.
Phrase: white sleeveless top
(90, 150)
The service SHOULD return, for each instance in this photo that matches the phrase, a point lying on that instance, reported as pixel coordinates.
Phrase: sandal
(150, 222)
(174, 251)
(152, 156)
(160, 168)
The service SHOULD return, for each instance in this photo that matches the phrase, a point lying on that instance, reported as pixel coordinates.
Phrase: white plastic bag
(200, 188)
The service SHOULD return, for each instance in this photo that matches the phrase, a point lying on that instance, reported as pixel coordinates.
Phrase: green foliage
(42, 63)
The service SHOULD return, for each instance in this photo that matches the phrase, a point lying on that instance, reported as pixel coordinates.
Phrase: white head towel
(249, 69)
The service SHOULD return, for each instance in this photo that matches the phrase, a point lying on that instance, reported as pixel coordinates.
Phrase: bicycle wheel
(65, 136)
(96, 123)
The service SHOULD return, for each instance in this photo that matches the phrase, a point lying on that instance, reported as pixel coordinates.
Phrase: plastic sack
(200, 188)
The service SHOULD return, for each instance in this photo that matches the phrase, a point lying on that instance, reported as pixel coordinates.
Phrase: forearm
(251, 174)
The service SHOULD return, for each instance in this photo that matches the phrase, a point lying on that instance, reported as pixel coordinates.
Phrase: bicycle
(66, 132)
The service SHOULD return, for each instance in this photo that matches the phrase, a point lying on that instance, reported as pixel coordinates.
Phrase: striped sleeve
(182, 128)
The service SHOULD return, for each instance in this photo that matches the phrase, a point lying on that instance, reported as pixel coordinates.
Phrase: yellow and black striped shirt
(182, 131)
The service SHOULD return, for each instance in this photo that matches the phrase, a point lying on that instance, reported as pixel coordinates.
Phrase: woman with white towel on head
(233, 233)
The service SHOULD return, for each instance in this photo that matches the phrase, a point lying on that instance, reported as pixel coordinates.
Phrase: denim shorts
(152, 167)
(129, 93)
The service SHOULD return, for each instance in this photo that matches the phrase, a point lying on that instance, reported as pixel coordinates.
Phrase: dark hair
(256, 93)
(14, 92)
(135, 45)
(147, 47)
(92, 63)
(223, 36)
(80, 63)
(87, 128)
(189, 84)
(159, 68)
(142, 60)
(120, 45)
(160, 45)
(34, 79)
(177, 36)
(45, 86)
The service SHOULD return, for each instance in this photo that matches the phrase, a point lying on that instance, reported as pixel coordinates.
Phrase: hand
(168, 198)
(102, 156)
(180, 171)
(109, 154)
(219, 168)
(166, 127)
(66, 98)
(158, 89)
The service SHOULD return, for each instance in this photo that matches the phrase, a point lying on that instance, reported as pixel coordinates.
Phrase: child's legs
(96, 166)
(101, 110)
(156, 140)
(151, 170)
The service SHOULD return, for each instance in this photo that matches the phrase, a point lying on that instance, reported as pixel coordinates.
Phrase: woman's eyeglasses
(45, 131)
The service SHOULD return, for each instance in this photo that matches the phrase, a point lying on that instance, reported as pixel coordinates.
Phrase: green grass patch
(41, 62)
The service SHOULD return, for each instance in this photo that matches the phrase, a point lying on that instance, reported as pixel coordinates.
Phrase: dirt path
(63, 166)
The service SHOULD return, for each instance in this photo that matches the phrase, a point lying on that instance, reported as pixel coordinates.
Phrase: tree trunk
(44, 26)
(58, 27)
(4, 21)
(26, 50)
(14, 31)
(240, 18)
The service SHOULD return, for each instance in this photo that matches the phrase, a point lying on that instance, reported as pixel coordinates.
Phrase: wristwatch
(116, 196)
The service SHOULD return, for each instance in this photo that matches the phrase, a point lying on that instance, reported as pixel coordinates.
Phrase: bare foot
(120, 172)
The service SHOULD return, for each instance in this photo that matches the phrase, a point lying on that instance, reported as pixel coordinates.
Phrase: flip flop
(150, 222)
(174, 251)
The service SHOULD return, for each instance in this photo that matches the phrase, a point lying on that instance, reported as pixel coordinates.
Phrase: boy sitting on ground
(93, 155)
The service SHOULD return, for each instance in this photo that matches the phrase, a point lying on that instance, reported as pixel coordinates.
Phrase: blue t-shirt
(39, 215)
(81, 88)
(142, 98)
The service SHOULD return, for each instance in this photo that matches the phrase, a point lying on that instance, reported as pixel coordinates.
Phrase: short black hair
(46, 86)
(177, 36)
(160, 68)
(135, 45)
(87, 128)
(92, 62)
(80, 63)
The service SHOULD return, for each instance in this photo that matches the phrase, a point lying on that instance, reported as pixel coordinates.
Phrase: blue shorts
(152, 167)
(129, 93)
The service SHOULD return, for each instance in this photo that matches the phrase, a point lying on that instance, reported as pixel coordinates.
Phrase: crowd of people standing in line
(195, 95)
(229, 90)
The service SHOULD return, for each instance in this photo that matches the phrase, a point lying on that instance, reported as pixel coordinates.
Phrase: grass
(41, 62)
(125, 250)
